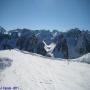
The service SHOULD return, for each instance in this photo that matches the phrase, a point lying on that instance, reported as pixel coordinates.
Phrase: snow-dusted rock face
(28, 71)
(2, 30)
(74, 43)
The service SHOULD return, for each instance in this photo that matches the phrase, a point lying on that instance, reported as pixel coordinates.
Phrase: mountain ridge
(71, 44)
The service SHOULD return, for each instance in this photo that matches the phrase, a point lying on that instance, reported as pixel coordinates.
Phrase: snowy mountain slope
(32, 72)
(85, 58)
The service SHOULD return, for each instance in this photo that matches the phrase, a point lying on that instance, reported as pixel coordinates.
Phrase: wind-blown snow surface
(32, 72)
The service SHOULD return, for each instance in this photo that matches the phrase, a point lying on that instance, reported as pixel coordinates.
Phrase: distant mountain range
(71, 44)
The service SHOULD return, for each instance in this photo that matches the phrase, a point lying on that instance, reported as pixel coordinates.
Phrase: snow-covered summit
(32, 72)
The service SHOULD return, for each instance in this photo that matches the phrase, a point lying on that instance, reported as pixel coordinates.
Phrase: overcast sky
(45, 14)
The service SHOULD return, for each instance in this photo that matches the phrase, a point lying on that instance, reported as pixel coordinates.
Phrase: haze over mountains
(71, 44)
